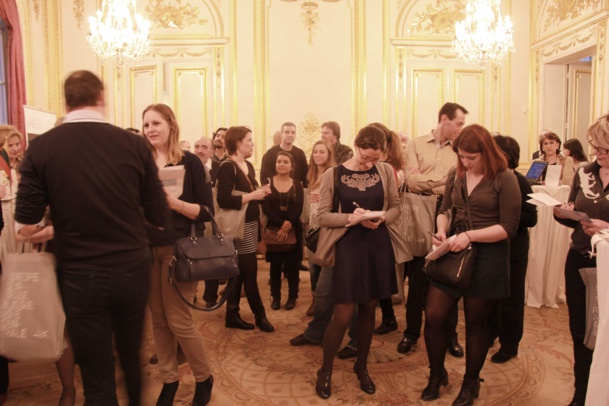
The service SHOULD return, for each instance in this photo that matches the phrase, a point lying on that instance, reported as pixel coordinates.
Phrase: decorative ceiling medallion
(79, 12)
(439, 18)
(165, 14)
(562, 10)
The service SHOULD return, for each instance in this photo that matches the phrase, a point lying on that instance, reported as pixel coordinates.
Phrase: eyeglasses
(366, 159)
(600, 150)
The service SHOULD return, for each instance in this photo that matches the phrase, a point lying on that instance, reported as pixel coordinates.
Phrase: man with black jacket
(101, 184)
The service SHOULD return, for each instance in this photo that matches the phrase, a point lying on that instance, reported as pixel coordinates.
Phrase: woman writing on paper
(283, 208)
(484, 193)
(236, 173)
(589, 194)
(172, 321)
(364, 269)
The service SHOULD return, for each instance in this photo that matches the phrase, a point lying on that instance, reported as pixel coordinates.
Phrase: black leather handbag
(455, 268)
(312, 237)
(204, 258)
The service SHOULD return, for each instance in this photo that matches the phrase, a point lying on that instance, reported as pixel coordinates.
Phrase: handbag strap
(468, 212)
(230, 285)
(335, 192)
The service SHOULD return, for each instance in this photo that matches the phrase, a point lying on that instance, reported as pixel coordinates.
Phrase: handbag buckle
(172, 261)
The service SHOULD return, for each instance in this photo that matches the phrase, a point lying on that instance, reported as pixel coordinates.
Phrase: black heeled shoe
(167, 394)
(469, 391)
(432, 391)
(365, 382)
(323, 384)
(203, 392)
(234, 320)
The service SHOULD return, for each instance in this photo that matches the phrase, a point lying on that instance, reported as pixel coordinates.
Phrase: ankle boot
(234, 320)
(263, 324)
(365, 382)
(469, 391)
(167, 394)
(203, 392)
(432, 391)
(291, 303)
(275, 303)
(323, 384)
(311, 309)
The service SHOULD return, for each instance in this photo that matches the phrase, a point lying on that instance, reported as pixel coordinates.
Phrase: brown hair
(549, 135)
(233, 136)
(394, 147)
(371, 137)
(450, 110)
(334, 126)
(82, 88)
(174, 152)
(576, 149)
(290, 157)
(287, 124)
(476, 139)
(314, 174)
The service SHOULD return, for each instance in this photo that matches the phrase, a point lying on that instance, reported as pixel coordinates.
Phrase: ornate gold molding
(309, 132)
(181, 52)
(439, 18)
(563, 46)
(133, 72)
(165, 14)
(36, 6)
(78, 9)
(310, 15)
(202, 73)
(479, 74)
(563, 10)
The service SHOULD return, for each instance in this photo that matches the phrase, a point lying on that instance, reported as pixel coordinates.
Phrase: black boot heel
(167, 394)
(432, 391)
(365, 382)
(470, 390)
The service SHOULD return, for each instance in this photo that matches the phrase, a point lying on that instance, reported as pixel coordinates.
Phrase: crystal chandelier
(118, 34)
(483, 38)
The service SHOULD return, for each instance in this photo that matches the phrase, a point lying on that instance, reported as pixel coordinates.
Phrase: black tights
(343, 312)
(438, 306)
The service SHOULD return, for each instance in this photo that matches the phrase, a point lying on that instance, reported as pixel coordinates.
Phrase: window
(3, 92)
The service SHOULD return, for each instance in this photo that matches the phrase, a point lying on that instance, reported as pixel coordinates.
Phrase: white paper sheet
(172, 178)
(553, 173)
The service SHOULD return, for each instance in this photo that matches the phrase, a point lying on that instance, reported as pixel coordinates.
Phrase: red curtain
(15, 68)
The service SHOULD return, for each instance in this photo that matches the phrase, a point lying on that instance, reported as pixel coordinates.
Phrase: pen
(430, 233)
(357, 205)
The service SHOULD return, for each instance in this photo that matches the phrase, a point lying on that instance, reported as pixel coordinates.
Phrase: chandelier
(483, 38)
(118, 34)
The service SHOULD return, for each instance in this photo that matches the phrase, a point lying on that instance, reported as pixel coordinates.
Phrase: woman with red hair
(482, 186)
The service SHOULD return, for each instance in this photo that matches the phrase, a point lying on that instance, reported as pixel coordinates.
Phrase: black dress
(365, 267)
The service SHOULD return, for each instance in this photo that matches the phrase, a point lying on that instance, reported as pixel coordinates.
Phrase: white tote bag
(32, 319)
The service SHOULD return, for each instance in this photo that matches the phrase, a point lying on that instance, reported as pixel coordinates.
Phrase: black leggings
(248, 272)
(438, 306)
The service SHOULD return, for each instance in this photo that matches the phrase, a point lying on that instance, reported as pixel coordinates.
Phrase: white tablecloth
(598, 389)
(545, 281)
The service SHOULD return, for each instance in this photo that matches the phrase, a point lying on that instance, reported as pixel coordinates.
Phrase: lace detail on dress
(361, 181)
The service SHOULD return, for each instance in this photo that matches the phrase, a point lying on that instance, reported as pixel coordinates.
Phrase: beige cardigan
(391, 206)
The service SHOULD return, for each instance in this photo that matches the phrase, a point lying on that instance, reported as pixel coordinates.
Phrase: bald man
(204, 150)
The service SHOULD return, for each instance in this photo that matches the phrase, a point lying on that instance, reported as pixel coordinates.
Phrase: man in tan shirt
(428, 160)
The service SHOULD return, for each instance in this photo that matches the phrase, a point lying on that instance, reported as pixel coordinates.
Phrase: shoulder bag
(231, 222)
(204, 258)
(455, 268)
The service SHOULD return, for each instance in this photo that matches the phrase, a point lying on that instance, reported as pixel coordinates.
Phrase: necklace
(282, 206)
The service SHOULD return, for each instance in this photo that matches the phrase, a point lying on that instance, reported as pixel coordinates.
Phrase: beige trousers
(172, 321)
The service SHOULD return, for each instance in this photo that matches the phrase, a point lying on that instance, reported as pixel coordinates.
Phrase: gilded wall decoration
(309, 133)
(166, 14)
(430, 53)
(218, 64)
(439, 18)
(36, 5)
(79, 12)
(562, 10)
(310, 15)
(180, 52)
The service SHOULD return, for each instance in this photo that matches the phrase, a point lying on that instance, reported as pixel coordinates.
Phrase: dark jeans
(211, 290)
(291, 269)
(248, 272)
(507, 319)
(99, 303)
(576, 303)
(417, 286)
(314, 270)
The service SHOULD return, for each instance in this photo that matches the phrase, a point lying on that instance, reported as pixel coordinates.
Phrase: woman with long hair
(590, 195)
(549, 145)
(364, 262)
(283, 208)
(484, 193)
(573, 148)
(322, 158)
(236, 173)
(172, 322)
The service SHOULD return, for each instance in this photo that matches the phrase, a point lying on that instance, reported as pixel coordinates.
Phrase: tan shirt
(434, 161)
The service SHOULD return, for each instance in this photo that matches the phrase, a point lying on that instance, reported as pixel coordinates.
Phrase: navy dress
(365, 267)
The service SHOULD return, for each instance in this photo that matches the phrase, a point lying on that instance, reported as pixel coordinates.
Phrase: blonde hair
(174, 152)
(314, 174)
(7, 131)
(598, 132)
